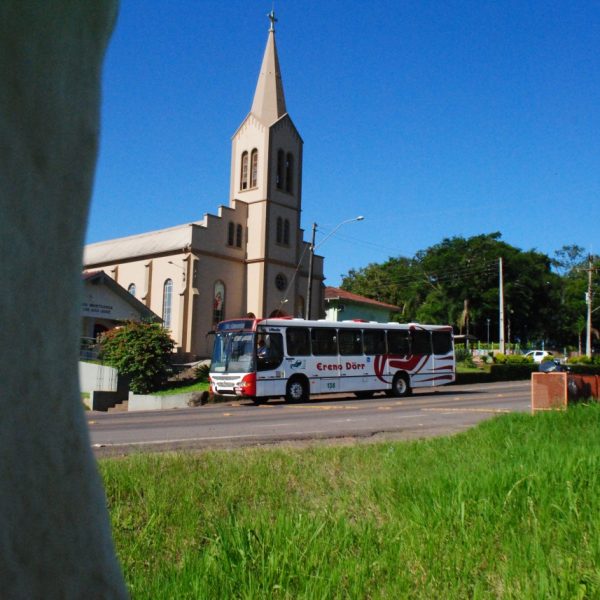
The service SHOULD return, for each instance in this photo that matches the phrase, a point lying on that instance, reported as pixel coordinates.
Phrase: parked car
(538, 355)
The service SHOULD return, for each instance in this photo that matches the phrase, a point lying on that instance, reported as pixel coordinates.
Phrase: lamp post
(312, 255)
(488, 332)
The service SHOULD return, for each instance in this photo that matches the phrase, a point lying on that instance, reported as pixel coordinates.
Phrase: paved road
(426, 413)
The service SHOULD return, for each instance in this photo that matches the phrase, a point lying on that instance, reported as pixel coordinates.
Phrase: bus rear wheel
(400, 386)
(296, 390)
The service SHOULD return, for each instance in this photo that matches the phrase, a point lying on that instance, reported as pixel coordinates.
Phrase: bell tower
(266, 174)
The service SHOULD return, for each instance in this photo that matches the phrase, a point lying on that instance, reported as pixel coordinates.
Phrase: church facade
(249, 258)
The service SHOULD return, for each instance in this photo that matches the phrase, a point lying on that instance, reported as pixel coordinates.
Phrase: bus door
(325, 371)
(422, 374)
(269, 356)
(443, 356)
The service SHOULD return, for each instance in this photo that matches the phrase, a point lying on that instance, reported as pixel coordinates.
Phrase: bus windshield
(233, 352)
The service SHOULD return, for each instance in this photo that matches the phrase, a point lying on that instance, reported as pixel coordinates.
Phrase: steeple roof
(269, 101)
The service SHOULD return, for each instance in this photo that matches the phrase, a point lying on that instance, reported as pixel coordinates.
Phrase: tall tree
(440, 281)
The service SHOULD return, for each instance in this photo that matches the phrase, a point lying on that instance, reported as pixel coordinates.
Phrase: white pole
(588, 299)
(501, 305)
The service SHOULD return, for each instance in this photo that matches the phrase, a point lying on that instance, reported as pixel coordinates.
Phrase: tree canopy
(457, 281)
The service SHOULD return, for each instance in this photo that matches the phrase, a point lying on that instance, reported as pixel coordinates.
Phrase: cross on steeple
(273, 20)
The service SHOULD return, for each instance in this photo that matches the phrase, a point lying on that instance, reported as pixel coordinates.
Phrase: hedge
(504, 372)
(507, 372)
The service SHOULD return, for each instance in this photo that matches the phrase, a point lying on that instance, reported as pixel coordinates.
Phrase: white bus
(294, 358)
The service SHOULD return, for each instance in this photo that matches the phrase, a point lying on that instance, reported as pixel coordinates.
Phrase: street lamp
(488, 332)
(312, 255)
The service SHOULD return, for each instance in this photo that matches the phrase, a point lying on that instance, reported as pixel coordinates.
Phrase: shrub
(201, 372)
(500, 358)
(512, 372)
(462, 355)
(519, 359)
(580, 360)
(140, 350)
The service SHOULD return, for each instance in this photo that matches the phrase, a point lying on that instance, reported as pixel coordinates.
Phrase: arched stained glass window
(167, 303)
(218, 302)
(244, 172)
(254, 168)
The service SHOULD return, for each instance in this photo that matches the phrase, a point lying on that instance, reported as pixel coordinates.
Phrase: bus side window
(324, 342)
(269, 351)
(350, 341)
(374, 341)
(420, 341)
(398, 342)
(298, 341)
(442, 342)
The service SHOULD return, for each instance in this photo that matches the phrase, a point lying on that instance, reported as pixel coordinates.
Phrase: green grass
(199, 386)
(510, 509)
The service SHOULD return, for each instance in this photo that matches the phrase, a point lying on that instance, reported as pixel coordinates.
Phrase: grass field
(198, 386)
(510, 509)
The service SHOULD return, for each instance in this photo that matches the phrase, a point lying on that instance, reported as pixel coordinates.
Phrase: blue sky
(431, 119)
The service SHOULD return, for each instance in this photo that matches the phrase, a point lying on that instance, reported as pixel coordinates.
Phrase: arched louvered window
(230, 233)
(244, 172)
(279, 236)
(167, 303)
(254, 168)
(286, 232)
(289, 173)
(238, 236)
(280, 167)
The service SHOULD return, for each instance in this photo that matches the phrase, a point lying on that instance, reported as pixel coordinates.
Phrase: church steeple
(269, 101)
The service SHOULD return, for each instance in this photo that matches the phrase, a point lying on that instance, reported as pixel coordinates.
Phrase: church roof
(269, 101)
(145, 244)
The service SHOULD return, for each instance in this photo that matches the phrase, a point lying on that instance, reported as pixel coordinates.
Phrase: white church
(251, 257)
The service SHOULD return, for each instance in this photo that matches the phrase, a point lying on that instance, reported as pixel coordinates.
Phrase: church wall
(274, 296)
(255, 288)
(212, 271)
(213, 235)
(283, 136)
(149, 277)
(252, 134)
(257, 226)
(279, 250)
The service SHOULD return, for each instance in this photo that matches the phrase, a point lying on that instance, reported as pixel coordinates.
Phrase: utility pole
(310, 272)
(588, 299)
(312, 256)
(501, 305)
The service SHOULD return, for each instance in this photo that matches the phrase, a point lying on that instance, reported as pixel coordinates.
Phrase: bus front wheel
(296, 390)
(400, 386)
